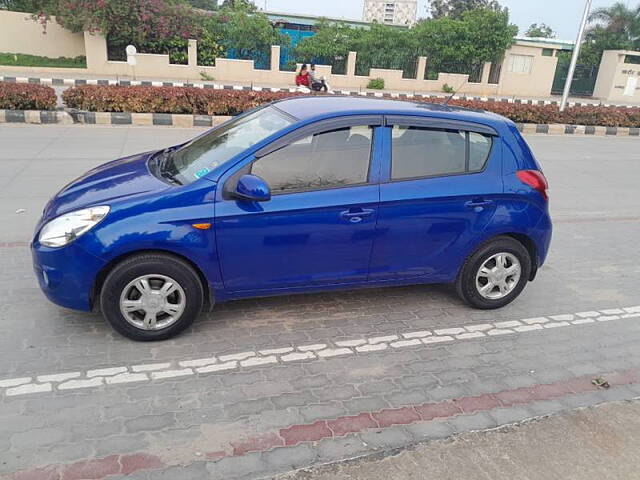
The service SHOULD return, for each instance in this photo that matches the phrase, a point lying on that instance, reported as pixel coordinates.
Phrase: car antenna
(455, 93)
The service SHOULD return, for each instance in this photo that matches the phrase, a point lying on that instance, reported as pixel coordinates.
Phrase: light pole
(574, 56)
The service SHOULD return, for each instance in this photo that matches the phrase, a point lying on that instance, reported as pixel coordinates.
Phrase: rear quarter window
(419, 152)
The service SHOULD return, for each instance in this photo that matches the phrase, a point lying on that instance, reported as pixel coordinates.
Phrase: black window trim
(319, 127)
(439, 123)
(444, 175)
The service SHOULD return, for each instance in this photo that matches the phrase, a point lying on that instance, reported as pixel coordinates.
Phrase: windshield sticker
(201, 173)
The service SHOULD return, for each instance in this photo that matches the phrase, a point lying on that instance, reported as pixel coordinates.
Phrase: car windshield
(198, 157)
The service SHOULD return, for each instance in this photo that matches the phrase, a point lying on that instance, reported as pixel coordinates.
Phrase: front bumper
(66, 275)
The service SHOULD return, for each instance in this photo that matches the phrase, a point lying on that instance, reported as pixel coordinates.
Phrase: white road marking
(60, 377)
(237, 356)
(106, 372)
(171, 374)
(123, 374)
(14, 382)
(202, 362)
(150, 367)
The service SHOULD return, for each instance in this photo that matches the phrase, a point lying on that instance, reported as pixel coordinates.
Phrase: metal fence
(473, 70)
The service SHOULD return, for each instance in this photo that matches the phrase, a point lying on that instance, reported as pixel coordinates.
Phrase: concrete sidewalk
(596, 443)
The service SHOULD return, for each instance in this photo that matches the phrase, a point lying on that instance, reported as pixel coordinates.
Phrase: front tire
(151, 297)
(495, 275)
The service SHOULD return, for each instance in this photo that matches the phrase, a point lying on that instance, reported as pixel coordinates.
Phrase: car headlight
(66, 228)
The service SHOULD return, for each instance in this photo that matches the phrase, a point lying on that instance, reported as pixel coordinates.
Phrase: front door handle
(356, 215)
(479, 203)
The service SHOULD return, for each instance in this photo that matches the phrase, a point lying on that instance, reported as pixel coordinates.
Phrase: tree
(457, 45)
(330, 45)
(245, 5)
(619, 18)
(456, 8)
(481, 35)
(248, 34)
(204, 4)
(540, 31)
(613, 28)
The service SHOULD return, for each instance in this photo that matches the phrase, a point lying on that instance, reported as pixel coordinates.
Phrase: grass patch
(23, 60)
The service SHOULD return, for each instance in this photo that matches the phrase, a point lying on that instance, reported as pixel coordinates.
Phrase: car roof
(323, 106)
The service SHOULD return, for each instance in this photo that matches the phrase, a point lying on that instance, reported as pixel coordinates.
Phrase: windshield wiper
(163, 166)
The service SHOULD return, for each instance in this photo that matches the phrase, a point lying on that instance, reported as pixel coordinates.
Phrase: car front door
(440, 186)
(318, 227)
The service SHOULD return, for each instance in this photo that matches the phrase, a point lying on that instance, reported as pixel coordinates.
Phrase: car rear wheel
(495, 274)
(151, 297)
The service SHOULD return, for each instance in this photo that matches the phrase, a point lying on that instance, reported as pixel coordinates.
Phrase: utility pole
(574, 56)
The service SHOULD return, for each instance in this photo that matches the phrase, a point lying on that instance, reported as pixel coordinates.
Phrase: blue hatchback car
(301, 195)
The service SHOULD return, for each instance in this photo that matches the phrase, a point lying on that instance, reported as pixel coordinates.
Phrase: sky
(561, 15)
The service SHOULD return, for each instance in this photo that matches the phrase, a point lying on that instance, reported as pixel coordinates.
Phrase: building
(391, 12)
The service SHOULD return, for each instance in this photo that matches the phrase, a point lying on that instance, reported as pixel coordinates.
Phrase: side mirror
(252, 188)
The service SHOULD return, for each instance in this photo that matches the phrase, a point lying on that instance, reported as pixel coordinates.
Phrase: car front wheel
(151, 297)
(495, 274)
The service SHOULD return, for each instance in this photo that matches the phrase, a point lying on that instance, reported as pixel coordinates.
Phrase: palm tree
(618, 18)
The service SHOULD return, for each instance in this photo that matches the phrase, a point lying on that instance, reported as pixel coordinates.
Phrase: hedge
(231, 102)
(23, 60)
(190, 100)
(26, 96)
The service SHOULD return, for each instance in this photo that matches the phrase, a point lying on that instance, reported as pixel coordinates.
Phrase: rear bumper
(66, 275)
(542, 236)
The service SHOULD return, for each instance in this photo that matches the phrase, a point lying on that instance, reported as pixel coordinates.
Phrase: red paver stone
(429, 411)
(257, 443)
(476, 404)
(622, 378)
(216, 455)
(345, 425)
(551, 390)
(92, 469)
(139, 461)
(396, 416)
(305, 433)
(45, 473)
(515, 397)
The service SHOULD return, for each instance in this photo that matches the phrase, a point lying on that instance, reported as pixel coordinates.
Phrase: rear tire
(151, 297)
(495, 275)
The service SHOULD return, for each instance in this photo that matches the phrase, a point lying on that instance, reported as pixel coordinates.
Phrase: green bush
(446, 88)
(22, 60)
(376, 84)
(26, 96)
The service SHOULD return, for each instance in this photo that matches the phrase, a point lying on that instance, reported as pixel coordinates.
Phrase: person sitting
(317, 83)
(302, 78)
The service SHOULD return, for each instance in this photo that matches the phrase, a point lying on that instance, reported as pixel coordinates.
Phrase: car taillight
(536, 180)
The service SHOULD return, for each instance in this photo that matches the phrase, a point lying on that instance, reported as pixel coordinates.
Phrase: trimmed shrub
(26, 96)
(200, 101)
(189, 100)
(23, 60)
(376, 84)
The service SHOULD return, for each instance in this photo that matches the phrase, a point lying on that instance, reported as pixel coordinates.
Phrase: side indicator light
(201, 226)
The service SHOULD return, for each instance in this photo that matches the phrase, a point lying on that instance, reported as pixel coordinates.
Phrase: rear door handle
(479, 203)
(355, 215)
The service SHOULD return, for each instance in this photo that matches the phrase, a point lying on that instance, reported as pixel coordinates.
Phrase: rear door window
(418, 152)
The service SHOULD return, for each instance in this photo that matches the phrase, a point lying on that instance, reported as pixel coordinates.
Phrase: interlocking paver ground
(194, 420)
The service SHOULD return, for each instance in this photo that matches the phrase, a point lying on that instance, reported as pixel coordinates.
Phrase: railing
(473, 70)
(386, 60)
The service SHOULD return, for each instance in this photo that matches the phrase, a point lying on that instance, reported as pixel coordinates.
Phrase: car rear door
(440, 185)
(319, 225)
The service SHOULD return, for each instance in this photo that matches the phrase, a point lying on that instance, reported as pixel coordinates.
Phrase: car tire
(493, 287)
(167, 290)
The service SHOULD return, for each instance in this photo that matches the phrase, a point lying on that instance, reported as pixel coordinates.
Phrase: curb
(71, 82)
(109, 118)
(188, 121)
